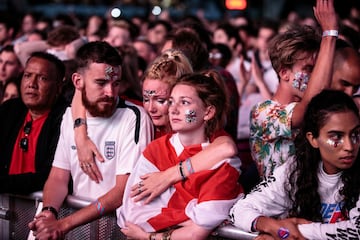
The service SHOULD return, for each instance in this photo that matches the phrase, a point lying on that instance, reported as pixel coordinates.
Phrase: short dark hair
(59, 65)
(62, 35)
(97, 52)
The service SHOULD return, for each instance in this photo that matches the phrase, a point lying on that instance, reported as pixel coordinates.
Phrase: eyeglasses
(24, 142)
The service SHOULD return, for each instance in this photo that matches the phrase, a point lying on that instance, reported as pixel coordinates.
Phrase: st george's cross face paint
(190, 116)
(301, 81)
(112, 73)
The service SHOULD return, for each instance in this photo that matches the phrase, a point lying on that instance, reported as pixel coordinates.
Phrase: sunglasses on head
(24, 142)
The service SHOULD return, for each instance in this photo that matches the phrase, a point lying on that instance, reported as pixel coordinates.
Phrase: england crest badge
(109, 151)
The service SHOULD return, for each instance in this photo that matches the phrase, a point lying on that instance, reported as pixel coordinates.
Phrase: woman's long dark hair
(304, 173)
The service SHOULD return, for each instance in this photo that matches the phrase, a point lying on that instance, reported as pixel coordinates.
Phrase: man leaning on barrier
(119, 129)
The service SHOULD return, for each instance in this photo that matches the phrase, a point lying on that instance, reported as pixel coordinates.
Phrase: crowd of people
(180, 126)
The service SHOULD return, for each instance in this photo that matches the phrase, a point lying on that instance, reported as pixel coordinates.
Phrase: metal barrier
(17, 211)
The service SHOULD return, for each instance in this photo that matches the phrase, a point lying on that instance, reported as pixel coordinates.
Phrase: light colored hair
(286, 48)
(168, 67)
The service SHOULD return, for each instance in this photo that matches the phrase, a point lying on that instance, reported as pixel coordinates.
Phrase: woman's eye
(335, 137)
(355, 137)
(162, 101)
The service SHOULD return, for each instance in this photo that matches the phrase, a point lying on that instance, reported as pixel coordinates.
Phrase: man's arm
(86, 149)
(56, 188)
(105, 204)
(54, 193)
(51, 228)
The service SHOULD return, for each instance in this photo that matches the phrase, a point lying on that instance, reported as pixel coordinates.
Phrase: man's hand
(48, 229)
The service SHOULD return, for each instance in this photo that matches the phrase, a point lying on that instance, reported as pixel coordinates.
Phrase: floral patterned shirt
(271, 136)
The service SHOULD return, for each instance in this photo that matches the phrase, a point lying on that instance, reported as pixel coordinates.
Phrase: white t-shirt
(114, 138)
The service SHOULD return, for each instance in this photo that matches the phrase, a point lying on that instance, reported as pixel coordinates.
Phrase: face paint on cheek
(300, 81)
(333, 143)
(190, 116)
(111, 73)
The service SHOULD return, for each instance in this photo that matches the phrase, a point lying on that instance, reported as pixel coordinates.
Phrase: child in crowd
(316, 195)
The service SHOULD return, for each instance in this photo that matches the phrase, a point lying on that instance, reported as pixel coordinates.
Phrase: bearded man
(119, 130)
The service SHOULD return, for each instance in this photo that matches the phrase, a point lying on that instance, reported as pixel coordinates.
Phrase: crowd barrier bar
(16, 211)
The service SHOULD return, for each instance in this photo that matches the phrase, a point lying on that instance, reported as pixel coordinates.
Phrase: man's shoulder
(124, 104)
(131, 109)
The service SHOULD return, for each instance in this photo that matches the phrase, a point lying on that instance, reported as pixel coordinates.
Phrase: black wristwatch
(51, 209)
(79, 121)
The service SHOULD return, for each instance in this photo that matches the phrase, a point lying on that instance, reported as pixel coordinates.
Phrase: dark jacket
(12, 117)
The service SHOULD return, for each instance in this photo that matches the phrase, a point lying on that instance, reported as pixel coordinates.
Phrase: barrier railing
(17, 211)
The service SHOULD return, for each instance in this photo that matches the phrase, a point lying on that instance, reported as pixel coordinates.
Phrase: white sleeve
(62, 156)
(349, 229)
(268, 198)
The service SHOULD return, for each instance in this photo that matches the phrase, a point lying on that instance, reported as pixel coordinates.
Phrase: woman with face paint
(317, 193)
(189, 209)
(158, 80)
(303, 61)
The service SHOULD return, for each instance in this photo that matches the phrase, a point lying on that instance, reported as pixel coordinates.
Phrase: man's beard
(93, 108)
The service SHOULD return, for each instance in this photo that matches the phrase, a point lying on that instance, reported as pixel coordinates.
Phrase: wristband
(331, 33)
(99, 207)
(182, 171)
(189, 166)
(283, 233)
(51, 209)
